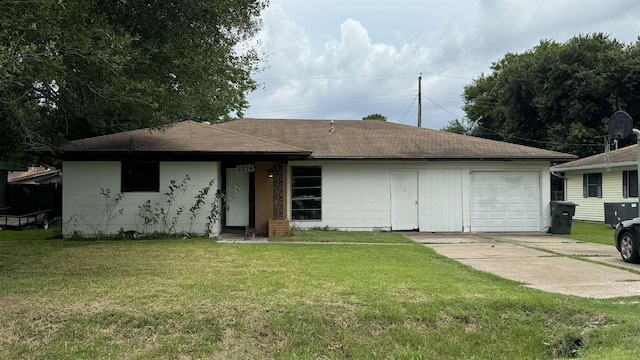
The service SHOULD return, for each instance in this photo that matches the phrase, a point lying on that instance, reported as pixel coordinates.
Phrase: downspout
(636, 132)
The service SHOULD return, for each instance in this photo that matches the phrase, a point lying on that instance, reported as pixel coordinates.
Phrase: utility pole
(420, 100)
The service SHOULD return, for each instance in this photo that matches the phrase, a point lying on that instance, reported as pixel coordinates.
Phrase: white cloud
(349, 58)
(520, 25)
(351, 78)
(285, 42)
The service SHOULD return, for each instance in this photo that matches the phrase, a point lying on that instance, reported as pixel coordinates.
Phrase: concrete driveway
(543, 262)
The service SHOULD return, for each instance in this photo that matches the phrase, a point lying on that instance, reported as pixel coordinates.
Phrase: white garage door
(505, 201)
(443, 208)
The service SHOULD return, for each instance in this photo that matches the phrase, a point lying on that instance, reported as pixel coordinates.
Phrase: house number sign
(245, 168)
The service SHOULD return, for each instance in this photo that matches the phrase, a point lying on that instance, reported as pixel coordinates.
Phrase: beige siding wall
(592, 209)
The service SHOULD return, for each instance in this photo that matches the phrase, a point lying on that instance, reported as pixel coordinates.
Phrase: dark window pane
(301, 193)
(306, 181)
(594, 185)
(306, 214)
(306, 193)
(140, 176)
(306, 171)
(633, 183)
(297, 204)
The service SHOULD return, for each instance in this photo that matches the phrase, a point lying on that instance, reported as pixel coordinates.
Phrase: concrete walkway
(543, 262)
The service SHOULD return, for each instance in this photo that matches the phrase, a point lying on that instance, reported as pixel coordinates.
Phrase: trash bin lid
(569, 203)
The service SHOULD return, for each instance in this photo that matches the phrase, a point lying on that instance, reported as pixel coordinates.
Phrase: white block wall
(356, 195)
(85, 210)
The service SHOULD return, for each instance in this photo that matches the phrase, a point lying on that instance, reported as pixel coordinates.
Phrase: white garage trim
(505, 201)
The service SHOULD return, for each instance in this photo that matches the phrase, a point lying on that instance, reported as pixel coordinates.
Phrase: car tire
(44, 223)
(629, 247)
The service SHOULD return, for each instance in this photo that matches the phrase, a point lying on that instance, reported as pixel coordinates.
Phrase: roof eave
(44, 175)
(439, 158)
(594, 166)
(88, 154)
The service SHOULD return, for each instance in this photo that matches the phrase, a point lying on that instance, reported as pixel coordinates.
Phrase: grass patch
(336, 236)
(31, 233)
(192, 299)
(591, 232)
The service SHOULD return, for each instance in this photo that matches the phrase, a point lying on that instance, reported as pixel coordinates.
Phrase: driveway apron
(547, 263)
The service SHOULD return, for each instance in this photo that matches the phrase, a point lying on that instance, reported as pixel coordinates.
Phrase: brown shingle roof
(31, 172)
(186, 136)
(351, 139)
(621, 157)
(378, 139)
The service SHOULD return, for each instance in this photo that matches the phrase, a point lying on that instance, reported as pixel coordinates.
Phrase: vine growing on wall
(153, 214)
(170, 220)
(201, 199)
(108, 213)
(221, 201)
(150, 214)
(111, 205)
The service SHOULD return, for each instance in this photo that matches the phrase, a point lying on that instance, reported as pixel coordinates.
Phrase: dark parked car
(626, 236)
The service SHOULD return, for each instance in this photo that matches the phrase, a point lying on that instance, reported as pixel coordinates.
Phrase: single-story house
(273, 174)
(602, 178)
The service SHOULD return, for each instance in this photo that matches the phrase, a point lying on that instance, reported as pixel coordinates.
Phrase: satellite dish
(620, 125)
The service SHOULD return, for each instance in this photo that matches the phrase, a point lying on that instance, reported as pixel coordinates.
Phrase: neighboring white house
(592, 181)
(346, 174)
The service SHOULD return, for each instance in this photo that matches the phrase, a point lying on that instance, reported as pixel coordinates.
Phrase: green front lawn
(335, 236)
(591, 232)
(197, 299)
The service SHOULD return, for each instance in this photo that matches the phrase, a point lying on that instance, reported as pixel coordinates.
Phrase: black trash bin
(562, 213)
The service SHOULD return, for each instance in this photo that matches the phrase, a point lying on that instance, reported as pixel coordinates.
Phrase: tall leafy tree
(72, 69)
(375, 116)
(556, 96)
(457, 127)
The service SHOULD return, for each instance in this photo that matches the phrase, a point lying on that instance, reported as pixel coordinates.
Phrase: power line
(406, 112)
(443, 108)
(510, 136)
(355, 76)
(531, 140)
(340, 101)
(393, 98)
(316, 106)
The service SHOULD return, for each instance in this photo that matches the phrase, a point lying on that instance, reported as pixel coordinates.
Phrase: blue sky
(329, 59)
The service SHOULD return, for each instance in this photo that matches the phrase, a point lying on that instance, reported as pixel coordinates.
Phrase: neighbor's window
(592, 185)
(630, 183)
(140, 176)
(306, 193)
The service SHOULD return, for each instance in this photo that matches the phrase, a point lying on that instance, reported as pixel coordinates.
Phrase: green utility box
(562, 213)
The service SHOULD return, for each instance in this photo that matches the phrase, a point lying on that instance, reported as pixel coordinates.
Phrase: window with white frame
(592, 185)
(630, 183)
(306, 193)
